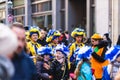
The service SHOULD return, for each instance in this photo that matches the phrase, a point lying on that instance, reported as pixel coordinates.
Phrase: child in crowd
(83, 70)
(43, 63)
(59, 66)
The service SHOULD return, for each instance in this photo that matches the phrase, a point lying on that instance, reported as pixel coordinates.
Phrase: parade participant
(53, 38)
(43, 63)
(83, 70)
(59, 66)
(24, 66)
(113, 55)
(98, 55)
(78, 34)
(33, 45)
(42, 39)
(8, 44)
(27, 36)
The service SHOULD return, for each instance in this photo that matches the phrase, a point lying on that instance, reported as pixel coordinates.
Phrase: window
(18, 3)
(19, 11)
(43, 21)
(35, 0)
(45, 6)
(20, 19)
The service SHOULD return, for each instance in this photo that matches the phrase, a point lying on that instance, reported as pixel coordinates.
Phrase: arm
(39, 67)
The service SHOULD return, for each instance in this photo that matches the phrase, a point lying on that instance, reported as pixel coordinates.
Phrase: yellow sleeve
(71, 51)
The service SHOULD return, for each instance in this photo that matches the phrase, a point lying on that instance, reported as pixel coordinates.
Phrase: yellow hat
(27, 35)
(52, 34)
(78, 32)
(34, 30)
(96, 36)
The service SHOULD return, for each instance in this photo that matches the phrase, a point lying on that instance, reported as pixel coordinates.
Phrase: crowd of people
(37, 54)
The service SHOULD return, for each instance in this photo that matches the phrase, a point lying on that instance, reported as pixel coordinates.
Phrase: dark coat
(42, 73)
(24, 67)
(57, 72)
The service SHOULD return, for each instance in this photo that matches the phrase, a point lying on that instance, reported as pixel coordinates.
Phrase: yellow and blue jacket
(72, 48)
(33, 46)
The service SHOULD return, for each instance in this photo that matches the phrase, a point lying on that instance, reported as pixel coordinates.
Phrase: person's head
(8, 41)
(118, 58)
(56, 40)
(19, 30)
(34, 34)
(42, 34)
(45, 53)
(53, 36)
(61, 51)
(79, 39)
(78, 34)
(95, 39)
(118, 42)
(106, 36)
(59, 55)
(46, 57)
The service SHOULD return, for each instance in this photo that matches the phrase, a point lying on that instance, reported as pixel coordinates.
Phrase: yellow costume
(33, 45)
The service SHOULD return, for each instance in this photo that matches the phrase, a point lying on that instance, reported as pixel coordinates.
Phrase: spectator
(59, 66)
(113, 55)
(24, 66)
(45, 53)
(8, 43)
(83, 69)
(42, 39)
(107, 38)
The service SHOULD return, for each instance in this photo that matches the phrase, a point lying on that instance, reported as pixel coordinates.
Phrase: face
(34, 37)
(42, 34)
(56, 40)
(79, 39)
(59, 55)
(21, 38)
(118, 59)
(94, 42)
(104, 38)
(46, 57)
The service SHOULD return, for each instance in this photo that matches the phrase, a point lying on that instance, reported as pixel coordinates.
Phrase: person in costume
(59, 66)
(32, 45)
(83, 70)
(113, 55)
(53, 38)
(98, 55)
(78, 34)
(43, 64)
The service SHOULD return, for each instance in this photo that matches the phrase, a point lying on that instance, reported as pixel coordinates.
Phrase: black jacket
(57, 72)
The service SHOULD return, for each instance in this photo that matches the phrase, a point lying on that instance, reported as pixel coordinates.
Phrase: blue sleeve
(106, 75)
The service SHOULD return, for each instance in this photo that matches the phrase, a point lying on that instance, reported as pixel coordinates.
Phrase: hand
(50, 77)
(46, 66)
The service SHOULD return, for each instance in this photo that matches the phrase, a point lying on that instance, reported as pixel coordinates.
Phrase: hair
(66, 32)
(118, 42)
(18, 25)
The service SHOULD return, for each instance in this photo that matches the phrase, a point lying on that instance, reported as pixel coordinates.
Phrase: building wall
(102, 16)
(115, 20)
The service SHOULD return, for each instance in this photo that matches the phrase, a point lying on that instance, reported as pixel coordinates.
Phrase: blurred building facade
(101, 16)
